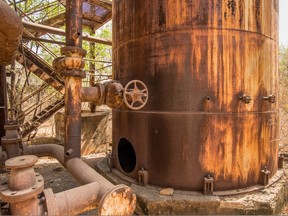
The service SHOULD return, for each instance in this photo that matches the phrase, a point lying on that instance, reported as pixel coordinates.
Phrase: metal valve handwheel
(135, 95)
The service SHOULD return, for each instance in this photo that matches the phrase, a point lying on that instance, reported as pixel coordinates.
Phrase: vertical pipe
(3, 101)
(74, 23)
(92, 70)
(73, 84)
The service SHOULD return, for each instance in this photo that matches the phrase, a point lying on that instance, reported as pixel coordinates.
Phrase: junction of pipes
(194, 97)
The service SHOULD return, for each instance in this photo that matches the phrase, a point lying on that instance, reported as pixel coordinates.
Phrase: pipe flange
(11, 127)
(50, 202)
(21, 162)
(101, 90)
(12, 196)
(74, 51)
(68, 63)
(75, 73)
(121, 200)
(5, 140)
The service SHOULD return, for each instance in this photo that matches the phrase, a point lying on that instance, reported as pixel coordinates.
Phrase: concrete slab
(249, 201)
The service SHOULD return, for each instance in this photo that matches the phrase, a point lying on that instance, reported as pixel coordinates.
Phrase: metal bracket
(270, 98)
(143, 177)
(208, 185)
(245, 98)
(265, 176)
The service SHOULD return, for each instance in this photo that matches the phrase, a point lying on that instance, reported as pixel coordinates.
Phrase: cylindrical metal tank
(202, 61)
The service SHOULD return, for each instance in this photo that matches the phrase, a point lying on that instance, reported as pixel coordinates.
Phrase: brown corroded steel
(10, 33)
(73, 84)
(12, 140)
(197, 58)
(44, 28)
(23, 186)
(95, 95)
(72, 202)
(3, 102)
(92, 68)
(84, 174)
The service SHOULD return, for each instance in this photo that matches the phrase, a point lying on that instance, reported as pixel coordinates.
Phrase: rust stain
(215, 49)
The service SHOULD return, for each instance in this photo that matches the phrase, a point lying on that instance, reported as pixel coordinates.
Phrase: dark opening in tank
(126, 155)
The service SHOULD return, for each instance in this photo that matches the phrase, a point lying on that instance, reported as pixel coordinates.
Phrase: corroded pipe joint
(12, 140)
(114, 94)
(23, 183)
(72, 64)
(94, 94)
(121, 200)
(73, 51)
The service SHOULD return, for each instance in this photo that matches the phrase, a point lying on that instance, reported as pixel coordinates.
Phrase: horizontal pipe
(107, 193)
(81, 171)
(90, 94)
(43, 40)
(53, 150)
(52, 30)
(84, 174)
(77, 200)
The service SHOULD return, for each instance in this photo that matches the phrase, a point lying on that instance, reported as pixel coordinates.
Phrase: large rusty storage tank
(202, 61)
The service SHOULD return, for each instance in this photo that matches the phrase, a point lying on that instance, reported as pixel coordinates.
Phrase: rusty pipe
(73, 83)
(10, 33)
(81, 171)
(94, 94)
(72, 202)
(84, 174)
(52, 150)
(52, 30)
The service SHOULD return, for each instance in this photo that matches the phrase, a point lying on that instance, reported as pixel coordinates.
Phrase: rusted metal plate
(197, 59)
(10, 33)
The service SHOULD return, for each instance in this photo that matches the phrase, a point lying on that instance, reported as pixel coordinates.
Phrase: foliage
(283, 93)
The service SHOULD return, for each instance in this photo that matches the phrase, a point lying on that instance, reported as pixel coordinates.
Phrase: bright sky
(283, 28)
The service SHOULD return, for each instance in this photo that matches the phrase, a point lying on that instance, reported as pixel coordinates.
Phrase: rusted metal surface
(119, 201)
(73, 83)
(3, 102)
(197, 58)
(23, 186)
(12, 140)
(92, 67)
(57, 31)
(85, 175)
(95, 94)
(72, 202)
(10, 33)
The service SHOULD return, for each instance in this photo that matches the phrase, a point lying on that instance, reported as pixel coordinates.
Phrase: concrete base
(95, 133)
(249, 201)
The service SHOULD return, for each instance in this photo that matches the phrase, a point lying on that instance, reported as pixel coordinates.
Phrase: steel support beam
(3, 101)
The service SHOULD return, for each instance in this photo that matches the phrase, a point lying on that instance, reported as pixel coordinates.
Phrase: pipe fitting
(114, 94)
(12, 140)
(23, 186)
(73, 51)
(121, 200)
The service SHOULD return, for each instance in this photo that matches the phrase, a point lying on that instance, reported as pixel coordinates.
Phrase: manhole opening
(126, 155)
